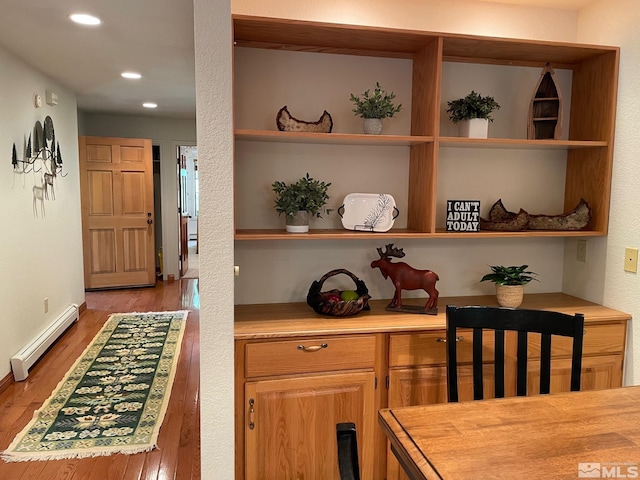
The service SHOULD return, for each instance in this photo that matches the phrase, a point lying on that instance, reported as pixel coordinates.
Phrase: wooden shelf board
(296, 35)
(329, 138)
(342, 234)
(519, 143)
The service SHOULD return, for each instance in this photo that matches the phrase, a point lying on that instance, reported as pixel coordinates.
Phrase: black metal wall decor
(41, 154)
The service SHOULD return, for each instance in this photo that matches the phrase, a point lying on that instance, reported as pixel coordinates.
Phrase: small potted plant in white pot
(510, 282)
(473, 114)
(300, 200)
(374, 107)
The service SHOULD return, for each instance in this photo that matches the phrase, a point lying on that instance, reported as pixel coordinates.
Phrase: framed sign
(463, 215)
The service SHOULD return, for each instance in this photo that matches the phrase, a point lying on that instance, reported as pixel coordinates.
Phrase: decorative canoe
(502, 219)
(545, 109)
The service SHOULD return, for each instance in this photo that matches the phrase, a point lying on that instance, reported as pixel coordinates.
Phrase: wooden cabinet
(295, 392)
(291, 432)
(298, 374)
(583, 172)
(602, 360)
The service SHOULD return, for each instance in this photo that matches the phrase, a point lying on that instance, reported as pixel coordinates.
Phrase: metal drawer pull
(252, 425)
(312, 348)
(444, 340)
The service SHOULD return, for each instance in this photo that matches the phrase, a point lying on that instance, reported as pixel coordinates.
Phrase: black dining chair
(523, 321)
(347, 451)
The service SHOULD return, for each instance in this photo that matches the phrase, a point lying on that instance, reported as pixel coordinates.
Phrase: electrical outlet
(46, 305)
(631, 260)
(581, 252)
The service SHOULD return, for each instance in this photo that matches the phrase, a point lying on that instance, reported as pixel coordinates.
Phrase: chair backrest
(523, 321)
(347, 451)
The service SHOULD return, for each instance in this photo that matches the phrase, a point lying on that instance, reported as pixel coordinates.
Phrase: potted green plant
(510, 282)
(299, 200)
(473, 113)
(374, 107)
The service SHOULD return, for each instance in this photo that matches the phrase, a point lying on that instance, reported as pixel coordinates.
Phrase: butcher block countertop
(273, 320)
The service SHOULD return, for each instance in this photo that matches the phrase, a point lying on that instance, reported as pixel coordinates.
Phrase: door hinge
(387, 382)
(375, 383)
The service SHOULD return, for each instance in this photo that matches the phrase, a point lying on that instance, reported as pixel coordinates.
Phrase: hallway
(178, 451)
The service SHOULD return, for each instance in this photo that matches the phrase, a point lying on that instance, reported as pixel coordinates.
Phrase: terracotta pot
(509, 295)
(298, 223)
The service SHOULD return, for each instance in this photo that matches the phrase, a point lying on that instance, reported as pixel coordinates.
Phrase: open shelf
(519, 143)
(589, 152)
(342, 234)
(330, 138)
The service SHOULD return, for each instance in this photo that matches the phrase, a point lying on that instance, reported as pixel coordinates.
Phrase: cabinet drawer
(309, 355)
(430, 348)
(598, 340)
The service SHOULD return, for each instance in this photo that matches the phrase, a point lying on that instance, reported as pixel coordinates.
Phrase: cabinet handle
(252, 424)
(444, 340)
(312, 348)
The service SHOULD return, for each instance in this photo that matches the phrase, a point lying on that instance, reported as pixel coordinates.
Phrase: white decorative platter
(368, 212)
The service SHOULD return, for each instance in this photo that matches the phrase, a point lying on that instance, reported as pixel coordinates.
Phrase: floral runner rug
(113, 399)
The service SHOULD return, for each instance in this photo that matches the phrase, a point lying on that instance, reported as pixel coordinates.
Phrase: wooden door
(184, 244)
(116, 188)
(291, 425)
(183, 214)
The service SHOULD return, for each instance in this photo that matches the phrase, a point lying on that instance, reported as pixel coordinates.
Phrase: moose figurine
(405, 277)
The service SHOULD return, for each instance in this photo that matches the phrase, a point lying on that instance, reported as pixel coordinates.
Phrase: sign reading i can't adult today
(463, 215)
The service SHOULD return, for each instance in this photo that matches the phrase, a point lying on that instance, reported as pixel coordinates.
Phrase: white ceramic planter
(372, 126)
(474, 128)
(298, 223)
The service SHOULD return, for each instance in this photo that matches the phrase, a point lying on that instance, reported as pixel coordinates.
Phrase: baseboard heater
(22, 361)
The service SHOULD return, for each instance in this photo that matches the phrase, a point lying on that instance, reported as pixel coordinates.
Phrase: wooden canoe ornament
(502, 219)
(545, 109)
(405, 277)
(288, 123)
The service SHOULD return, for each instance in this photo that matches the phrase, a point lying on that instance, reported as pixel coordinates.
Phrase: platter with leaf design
(368, 212)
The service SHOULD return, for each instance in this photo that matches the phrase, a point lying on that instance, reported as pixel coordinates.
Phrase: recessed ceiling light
(150, 105)
(85, 19)
(132, 75)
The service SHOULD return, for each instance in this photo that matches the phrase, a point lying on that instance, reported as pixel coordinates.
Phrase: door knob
(149, 221)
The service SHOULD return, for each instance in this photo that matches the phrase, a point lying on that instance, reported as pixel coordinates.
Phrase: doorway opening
(188, 209)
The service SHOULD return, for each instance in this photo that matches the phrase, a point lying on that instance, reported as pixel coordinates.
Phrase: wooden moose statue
(405, 277)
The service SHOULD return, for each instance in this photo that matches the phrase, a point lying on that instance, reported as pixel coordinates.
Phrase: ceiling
(152, 37)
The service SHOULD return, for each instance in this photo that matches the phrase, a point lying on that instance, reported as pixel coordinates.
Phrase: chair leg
(347, 451)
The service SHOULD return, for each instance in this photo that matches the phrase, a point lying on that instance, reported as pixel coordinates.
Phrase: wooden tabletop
(544, 436)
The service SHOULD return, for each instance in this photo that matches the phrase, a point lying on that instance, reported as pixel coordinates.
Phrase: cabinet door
(427, 385)
(291, 425)
(598, 373)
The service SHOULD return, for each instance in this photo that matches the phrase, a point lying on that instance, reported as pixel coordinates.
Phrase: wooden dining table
(590, 434)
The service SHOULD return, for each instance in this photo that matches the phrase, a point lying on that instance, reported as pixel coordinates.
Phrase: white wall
(168, 133)
(40, 242)
(616, 23)
(215, 148)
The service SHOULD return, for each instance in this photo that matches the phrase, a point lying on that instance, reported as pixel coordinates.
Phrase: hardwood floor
(178, 453)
